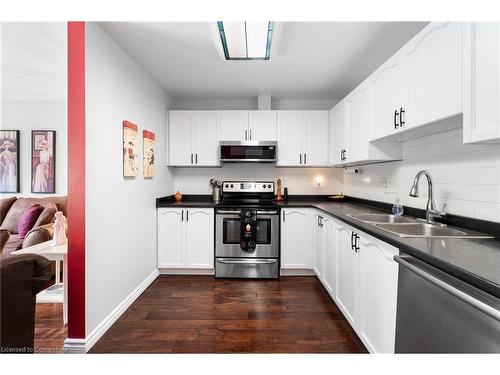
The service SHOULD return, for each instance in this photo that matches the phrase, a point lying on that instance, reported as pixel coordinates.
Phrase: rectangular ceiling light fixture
(246, 40)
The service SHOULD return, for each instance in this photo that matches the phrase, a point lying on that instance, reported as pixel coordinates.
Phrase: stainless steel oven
(227, 236)
(247, 231)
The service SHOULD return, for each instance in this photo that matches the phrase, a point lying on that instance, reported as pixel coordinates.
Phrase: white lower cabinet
(295, 241)
(318, 243)
(185, 238)
(329, 255)
(379, 289)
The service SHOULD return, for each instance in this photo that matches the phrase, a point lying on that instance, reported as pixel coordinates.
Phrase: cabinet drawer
(248, 268)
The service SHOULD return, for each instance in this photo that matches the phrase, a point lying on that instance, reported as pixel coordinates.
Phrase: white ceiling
(309, 60)
(33, 60)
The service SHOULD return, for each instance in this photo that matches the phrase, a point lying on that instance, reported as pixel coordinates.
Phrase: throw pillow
(46, 217)
(28, 220)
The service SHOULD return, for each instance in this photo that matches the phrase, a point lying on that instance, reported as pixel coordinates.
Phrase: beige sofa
(11, 211)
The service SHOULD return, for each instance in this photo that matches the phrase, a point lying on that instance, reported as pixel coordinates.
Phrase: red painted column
(76, 180)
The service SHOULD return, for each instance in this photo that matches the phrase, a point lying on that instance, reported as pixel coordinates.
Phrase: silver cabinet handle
(187, 215)
(182, 215)
(247, 261)
(196, 158)
(246, 131)
(284, 215)
(191, 158)
(300, 159)
(250, 134)
(305, 158)
(481, 306)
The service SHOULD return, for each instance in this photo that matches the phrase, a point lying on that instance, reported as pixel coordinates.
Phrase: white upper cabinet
(434, 74)
(205, 139)
(180, 137)
(387, 94)
(290, 136)
(482, 83)
(262, 126)
(316, 133)
(302, 138)
(357, 131)
(233, 126)
(193, 138)
(338, 127)
(295, 241)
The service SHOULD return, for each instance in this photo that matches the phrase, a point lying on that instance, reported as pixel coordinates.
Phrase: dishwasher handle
(479, 305)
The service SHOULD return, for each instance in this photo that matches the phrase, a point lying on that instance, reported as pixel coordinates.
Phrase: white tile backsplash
(298, 180)
(466, 177)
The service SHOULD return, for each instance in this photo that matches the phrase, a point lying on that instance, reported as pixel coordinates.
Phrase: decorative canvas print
(43, 161)
(130, 155)
(9, 161)
(149, 153)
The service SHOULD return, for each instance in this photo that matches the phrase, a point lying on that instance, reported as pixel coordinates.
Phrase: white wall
(120, 213)
(251, 104)
(33, 91)
(298, 180)
(466, 177)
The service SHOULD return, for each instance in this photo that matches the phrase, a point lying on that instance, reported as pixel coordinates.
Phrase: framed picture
(43, 161)
(148, 149)
(9, 161)
(130, 149)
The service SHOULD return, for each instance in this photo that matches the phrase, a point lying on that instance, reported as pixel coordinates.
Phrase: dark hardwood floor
(50, 332)
(199, 314)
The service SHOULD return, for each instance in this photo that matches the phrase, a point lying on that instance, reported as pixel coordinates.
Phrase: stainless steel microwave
(248, 151)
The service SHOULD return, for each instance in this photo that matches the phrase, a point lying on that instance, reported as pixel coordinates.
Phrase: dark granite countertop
(475, 261)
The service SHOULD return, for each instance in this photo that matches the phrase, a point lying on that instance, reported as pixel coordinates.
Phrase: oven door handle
(247, 261)
(227, 212)
(267, 212)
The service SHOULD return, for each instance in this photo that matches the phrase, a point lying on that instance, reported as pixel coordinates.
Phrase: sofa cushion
(46, 217)
(20, 206)
(14, 243)
(28, 220)
(5, 205)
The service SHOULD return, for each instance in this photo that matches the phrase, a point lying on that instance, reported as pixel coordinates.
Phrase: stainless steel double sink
(404, 226)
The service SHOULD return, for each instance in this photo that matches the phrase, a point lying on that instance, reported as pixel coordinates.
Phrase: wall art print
(9, 161)
(130, 149)
(148, 145)
(43, 161)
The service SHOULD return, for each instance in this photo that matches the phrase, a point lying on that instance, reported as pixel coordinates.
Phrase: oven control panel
(248, 187)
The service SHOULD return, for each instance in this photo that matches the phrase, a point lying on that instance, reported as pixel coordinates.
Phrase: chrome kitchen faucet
(430, 210)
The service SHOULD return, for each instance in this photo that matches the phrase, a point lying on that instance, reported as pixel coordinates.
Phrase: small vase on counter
(178, 196)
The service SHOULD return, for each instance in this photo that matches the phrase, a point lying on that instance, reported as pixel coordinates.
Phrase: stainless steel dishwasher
(438, 313)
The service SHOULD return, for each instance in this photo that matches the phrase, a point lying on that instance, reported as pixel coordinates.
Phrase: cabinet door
(170, 237)
(379, 288)
(316, 134)
(295, 239)
(347, 272)
(387, 97)
(180, 136)
(233, 126)
(205, 138)
(262, 125)
(199, 237)
(434, 66)
(317, 242)
(482, 98)
(329, 257)
(290, 138)
(338, 126)
(357, 129)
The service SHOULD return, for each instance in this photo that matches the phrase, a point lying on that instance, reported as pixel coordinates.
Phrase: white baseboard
(296, 272)
(186, 271)
(83, 345)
